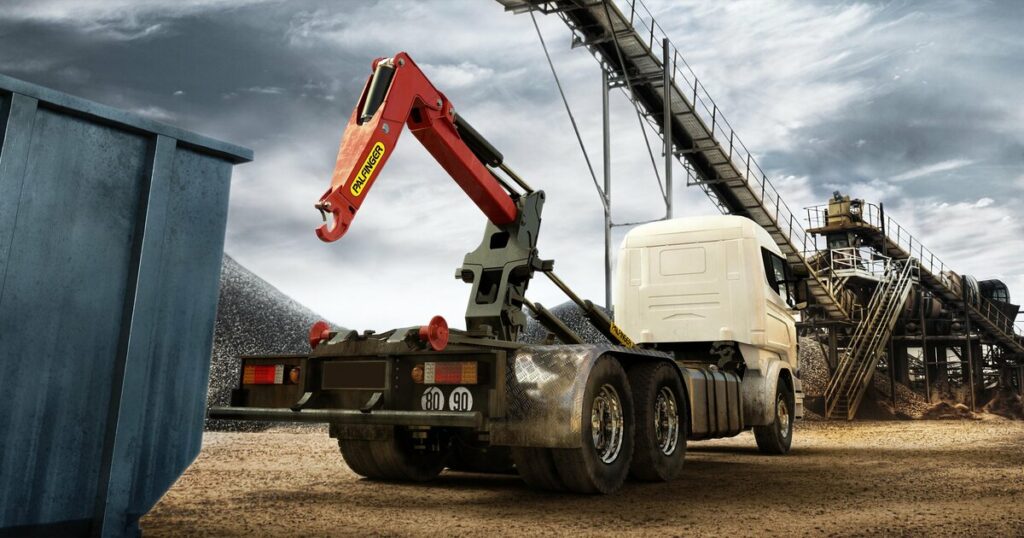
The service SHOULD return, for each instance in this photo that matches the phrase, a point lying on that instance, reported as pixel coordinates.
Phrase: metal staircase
(632, 49)
(857, 364)
(884, 234)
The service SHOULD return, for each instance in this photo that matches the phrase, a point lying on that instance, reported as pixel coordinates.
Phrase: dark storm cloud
(939, 96)
(913, 104)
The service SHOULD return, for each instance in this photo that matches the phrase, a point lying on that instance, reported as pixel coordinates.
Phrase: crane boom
(398, 94)
(395, 95)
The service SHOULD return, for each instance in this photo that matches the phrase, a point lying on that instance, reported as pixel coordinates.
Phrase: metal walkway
(633, 50)
(886, 235)
(857, 365)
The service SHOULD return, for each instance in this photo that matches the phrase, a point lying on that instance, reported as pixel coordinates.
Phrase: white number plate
(432, 400)
(460, 399)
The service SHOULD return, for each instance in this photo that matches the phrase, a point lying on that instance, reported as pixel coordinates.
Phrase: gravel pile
(814, 370)
(876, 404)
(949, 410)
(811, 415)
(253, 317)
(909, 404)
(1005, 403)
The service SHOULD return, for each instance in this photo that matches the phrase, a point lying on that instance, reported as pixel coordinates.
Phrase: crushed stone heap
(253, 317)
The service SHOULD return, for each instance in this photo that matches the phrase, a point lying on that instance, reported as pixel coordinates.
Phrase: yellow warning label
(366, 171)
(621, 336)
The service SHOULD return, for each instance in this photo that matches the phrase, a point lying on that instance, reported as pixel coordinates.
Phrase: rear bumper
(452, 419)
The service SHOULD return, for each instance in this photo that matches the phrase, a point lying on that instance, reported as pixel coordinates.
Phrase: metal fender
(544, 390)
(760, 382)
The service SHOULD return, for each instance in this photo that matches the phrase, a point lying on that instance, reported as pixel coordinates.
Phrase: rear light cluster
(446, 373)
(270, 374)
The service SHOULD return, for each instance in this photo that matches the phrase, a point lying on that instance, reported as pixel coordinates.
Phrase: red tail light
(263, 375)
(449, 373)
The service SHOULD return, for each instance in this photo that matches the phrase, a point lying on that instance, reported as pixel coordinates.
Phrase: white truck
(706, 299)
(716, 293)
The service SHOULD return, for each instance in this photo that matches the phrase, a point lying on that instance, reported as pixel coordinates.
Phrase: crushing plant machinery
(865, 281)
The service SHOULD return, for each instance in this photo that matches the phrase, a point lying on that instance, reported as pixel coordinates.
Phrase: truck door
(779, 332)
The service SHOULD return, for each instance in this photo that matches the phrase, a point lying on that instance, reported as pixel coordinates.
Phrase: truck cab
(706, 279)
(716, 292)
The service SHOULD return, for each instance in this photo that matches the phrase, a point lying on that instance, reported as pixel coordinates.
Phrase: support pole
(924, 352)
(941, 362)
(892, 374)
(833, 346)
(881, 220)
(967, 347)
(607, 146)
(667, 129)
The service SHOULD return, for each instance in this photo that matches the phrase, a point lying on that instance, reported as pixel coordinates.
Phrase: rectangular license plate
(354, 375)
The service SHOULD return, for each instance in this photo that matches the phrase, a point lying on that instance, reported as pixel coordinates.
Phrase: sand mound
(253, 317)
(909, 404)
(947, 410)
(1005, 403)
(876, 404)
(814, 369)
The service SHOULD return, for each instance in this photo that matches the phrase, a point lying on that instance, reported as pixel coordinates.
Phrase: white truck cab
(705, 279)
(699, 283)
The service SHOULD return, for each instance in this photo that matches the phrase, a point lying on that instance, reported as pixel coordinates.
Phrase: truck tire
(777, 437)
(359, 457)
(662, 412)
(602, 462)
(393, 459)
(536, 466)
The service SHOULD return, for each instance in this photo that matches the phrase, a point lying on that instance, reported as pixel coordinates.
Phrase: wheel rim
(607, 424)
(782, 412)
(666, 421)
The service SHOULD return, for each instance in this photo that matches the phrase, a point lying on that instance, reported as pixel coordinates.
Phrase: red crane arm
(397, 94)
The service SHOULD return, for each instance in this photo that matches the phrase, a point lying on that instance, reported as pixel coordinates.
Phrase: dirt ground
(864, 478)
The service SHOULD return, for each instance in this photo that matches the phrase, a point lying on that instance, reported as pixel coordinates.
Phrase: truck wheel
(777, 437)
(358, 455)
(601, 464)
(393, 459)
(661, 417)
(536, 466)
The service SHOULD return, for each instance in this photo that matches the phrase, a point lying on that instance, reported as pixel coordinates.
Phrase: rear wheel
(601, 463)
(777, 437)
(661, 418)
(536, 466)
(397, 458)
(358, 455)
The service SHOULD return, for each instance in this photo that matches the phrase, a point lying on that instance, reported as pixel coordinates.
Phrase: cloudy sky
(914, 104)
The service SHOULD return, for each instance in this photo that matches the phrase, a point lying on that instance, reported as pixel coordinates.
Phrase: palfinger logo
(366, 171)
(621, 336)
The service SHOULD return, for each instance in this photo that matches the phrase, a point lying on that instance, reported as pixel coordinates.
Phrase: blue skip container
(111, 240)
